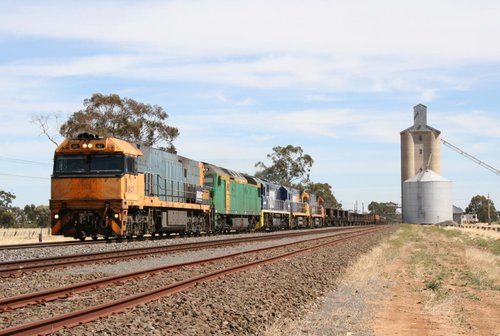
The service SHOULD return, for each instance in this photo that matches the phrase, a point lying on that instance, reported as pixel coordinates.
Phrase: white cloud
(438, 30)
(325, 73)
(467, 124)
(298, 125)
(428, 95)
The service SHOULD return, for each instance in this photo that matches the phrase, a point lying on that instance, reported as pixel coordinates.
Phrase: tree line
(130, 120)
(31, 216)
(127, 119)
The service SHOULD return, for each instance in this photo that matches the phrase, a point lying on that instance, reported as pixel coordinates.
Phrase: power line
(25, 176)
(5, 158)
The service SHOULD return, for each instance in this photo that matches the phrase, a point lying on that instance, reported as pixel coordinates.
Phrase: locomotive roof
(107, 145)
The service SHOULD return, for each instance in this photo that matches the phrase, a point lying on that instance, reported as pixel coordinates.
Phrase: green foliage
(6, 199)
(433, 284)
(479, 205)
(7, 219)
(124, 118)
(383, 208)
(290, 167)
(37, 216)
(325, 191)
(30, 216)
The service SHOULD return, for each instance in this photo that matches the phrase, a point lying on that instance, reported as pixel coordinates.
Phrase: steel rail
(54, 244)
(11, 268)
(23, 300)
(112, 240)
(43, 327)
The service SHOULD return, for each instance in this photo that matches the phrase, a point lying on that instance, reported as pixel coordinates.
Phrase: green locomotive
(236, 201)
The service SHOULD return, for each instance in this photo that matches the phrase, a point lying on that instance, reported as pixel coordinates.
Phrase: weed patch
(406, 235)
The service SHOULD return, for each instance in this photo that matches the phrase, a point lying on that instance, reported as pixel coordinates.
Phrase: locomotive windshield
(209, 181)
(94, 164)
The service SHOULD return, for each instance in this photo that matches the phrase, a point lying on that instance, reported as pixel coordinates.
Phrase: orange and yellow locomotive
(109, 187)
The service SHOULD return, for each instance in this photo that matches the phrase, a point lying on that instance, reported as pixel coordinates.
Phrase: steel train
(110, 187)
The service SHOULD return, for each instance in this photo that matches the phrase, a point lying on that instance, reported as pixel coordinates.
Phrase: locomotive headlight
(56, 216)
(116, 215)
(89, 145)
(84, 145)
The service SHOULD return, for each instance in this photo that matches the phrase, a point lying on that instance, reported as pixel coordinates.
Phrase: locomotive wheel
(82, 236)
(94, 237)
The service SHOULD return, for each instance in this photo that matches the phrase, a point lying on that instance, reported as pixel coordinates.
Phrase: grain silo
(420, 146)
(427, 198)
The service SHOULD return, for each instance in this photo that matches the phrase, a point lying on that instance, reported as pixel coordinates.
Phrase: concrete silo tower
(426, 196)
(420, 146)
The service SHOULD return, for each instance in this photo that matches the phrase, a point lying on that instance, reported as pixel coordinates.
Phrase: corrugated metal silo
(427, 198)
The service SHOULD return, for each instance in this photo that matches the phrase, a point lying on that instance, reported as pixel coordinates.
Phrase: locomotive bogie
(274, 220)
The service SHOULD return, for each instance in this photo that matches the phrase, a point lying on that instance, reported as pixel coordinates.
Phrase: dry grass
(14, 236)
(484, 268)
(367, 268)
(476, 232)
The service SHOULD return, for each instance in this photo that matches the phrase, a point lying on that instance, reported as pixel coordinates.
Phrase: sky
(237, 78)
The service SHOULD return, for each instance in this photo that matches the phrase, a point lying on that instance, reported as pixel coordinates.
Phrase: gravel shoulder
(246, 303)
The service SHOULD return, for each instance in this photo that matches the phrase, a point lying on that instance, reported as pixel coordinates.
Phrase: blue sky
(240, 77)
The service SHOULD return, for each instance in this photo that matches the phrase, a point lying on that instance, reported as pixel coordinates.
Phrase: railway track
(54, 244)
(12, 268)
(108, 308)
(86, 242)
(93, 242)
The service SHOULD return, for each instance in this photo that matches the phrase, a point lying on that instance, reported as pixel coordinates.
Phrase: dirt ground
(423, 280)
(441, 286)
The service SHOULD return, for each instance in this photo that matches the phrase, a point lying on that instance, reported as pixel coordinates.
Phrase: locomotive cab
(94, 181)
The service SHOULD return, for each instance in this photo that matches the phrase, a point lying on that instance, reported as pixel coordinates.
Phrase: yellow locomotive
(109, 187)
